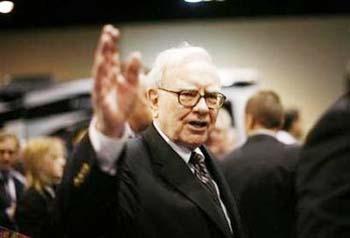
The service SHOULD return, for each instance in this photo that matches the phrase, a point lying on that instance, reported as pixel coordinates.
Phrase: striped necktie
(201, 172)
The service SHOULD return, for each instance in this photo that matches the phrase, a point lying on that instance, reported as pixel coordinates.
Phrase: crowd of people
(159, 159)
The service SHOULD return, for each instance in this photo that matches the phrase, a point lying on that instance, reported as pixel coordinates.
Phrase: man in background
(11, 181)
(261, 172)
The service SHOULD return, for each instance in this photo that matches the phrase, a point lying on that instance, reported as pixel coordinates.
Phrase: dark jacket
(34, 214)
(154, 194)
(261, 177)
(323, 176)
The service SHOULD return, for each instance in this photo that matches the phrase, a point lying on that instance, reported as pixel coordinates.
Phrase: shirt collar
(182, 151)
(262, 132)
(50, 191)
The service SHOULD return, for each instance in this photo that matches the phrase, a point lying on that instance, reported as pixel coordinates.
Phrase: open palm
(114, 92)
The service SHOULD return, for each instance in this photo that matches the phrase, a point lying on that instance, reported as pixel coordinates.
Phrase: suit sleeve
(87, 197)
(107, 149)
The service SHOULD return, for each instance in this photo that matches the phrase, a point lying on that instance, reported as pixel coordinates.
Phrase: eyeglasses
(190, 98)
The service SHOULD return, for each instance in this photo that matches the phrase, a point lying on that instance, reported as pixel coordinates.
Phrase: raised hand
(114, 92)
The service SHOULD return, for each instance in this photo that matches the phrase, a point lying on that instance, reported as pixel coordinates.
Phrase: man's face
(188, 126)
(8, 153)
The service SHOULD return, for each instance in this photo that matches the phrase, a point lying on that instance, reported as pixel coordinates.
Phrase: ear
(152, 96)
(249, 123)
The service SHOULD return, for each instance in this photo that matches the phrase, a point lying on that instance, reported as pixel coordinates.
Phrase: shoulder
(334, 122)
(32, 196)
(31, 202)
(18, 176)
(285, 137)
(135, 149)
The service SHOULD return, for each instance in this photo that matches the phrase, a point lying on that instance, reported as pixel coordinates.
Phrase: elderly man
(11, 181)
(164, 183)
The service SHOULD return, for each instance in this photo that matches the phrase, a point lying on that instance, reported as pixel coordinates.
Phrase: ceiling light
(195, 1)
(6, 6)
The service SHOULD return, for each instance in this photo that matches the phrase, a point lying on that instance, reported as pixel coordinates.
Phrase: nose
(6, 155)
(201, 106)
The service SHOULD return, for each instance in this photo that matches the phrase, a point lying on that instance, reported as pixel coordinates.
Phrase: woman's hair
(35, 153)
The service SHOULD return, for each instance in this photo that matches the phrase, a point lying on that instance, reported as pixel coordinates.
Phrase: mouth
(199, 124)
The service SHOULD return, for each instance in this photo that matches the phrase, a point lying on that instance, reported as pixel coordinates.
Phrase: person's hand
(114, 92)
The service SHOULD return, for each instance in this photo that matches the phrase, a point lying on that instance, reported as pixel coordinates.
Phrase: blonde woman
(44, 160)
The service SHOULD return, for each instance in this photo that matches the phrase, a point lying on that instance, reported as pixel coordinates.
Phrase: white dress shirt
(11, 187)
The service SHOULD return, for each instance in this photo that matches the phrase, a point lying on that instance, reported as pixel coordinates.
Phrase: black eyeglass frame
(178, 93)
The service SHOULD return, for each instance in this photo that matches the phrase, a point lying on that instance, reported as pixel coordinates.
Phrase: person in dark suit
(260, 173)
(323, 177)
(163, 183)
(11, 181)
(44, 159)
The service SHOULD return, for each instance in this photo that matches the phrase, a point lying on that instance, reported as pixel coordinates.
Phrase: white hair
(169, 61)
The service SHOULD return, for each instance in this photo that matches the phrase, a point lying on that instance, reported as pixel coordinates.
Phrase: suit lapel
(177, 173)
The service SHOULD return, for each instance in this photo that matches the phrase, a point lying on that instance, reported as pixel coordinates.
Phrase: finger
(116, 64)
(112, 31)
(133, 68)
(106, 56)
(108, 31)
(98, 97)
(107, 45)
(110, 49)
(101, 76)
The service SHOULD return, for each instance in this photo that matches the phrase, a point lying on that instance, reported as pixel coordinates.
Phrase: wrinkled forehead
(197, 74)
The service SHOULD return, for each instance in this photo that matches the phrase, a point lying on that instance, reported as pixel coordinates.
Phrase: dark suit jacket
(261, 176)
(154, 194)
(323, 176)
(5, 221)
(34, 214)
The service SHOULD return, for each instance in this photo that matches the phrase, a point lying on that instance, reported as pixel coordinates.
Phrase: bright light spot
(6, 6)
(195, 1)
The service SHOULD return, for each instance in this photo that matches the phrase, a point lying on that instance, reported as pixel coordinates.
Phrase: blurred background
(300, 49)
